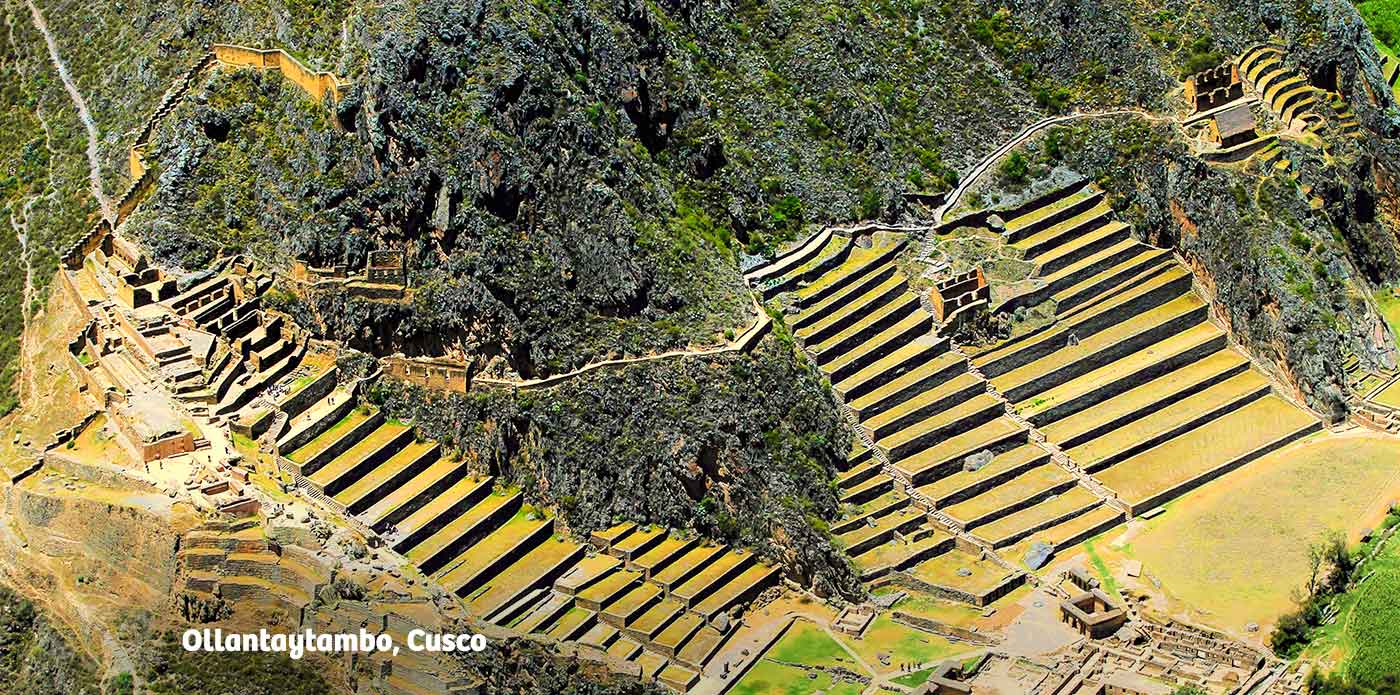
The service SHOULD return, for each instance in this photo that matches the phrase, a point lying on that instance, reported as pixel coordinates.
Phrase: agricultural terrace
(1240, 545)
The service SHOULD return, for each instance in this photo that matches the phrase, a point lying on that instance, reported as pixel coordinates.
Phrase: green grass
(1389, 305)
(805, 643)
(1383, 17)
(914, 679)
(1364, 643)
(903, 644)
(1100, 567)
(770, 678)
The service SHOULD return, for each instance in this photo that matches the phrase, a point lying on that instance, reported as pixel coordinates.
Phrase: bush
(1015, 167)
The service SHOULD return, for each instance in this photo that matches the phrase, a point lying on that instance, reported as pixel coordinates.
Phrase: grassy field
(808, 644)
(803, 643)
(903, 644)
(771, 678)
(1238, 547)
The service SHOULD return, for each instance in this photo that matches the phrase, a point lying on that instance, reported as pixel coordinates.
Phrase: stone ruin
(386, 266)
(1214, 87)
(958, 298)
(1092, 613)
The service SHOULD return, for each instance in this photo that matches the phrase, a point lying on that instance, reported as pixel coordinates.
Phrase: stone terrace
(160, 353)
(1129, 398)
(659, 602)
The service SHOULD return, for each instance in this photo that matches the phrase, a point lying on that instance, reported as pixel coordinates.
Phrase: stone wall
(1007, 585)
(316, 84)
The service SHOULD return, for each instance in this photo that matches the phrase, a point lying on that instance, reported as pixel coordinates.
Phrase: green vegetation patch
(770, 678)
(1383, 18)
(806, 643)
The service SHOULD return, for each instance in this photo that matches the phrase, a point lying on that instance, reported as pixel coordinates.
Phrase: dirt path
(981, 167)
(21, 227)
(93, 135)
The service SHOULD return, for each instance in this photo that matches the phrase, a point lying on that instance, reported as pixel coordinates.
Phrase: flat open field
(772, 678)
(803, 643)
(1236, 548)
(903, 644)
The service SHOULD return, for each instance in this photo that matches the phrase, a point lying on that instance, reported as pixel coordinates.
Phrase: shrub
(1015, 168)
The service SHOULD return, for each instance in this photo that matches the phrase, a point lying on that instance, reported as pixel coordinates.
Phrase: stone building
(1233, 126)
(1214, 87)
(1093, 614)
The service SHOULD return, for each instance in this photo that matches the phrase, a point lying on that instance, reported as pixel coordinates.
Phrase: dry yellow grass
(1236, 548)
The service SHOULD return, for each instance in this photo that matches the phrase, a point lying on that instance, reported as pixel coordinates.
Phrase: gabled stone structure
(1233, 126)
(387, 266)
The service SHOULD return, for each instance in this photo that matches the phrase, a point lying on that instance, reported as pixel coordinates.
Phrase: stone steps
(1011, 496)
(1018, 352)
(1049, 211)
(946, 456)
(915, 324)
(460, 532)
(661, 555)
(1144, 262)
(1082, 246)
(488, 557)
(963, 484)
(867, 321)
(891, 366)
(388, 476)
(1041, 515)
(1092, 213)
(828, 257)
(951, 394)
(1177, 465)
(852, 310)
(428, 518)
(1073, 429)
(357, 461)
(900, 437)
(862, 268)
(789, 261)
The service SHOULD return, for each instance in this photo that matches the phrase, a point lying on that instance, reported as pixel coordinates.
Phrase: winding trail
(981, 167)
(109, 211)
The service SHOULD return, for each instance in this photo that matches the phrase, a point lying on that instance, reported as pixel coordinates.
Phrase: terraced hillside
(661, 600)
(1130, 397)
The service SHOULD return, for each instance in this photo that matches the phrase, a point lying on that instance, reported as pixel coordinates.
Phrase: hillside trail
(109, 211)
(986, 162)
